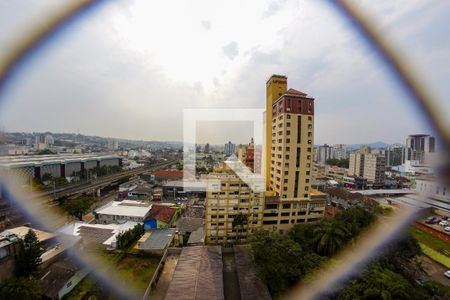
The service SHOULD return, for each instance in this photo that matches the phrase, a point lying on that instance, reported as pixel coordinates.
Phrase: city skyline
(120, 74)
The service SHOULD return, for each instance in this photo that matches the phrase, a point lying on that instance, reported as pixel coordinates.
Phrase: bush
(125, 239)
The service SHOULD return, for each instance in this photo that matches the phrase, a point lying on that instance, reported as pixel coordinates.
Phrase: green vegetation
(135, 269)
(239, 221)
(342, 163)
(88, 288)
(125, 239)
(20, 288)
(430, 241)
(283, 260)
(96, 171)
(79, 206)
(436, 256)
(28, 259)
(28, 255)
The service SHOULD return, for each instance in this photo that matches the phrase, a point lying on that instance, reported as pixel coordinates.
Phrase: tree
(355, 219)
(342, 163)
(29, 254)
(303, 234)
(278, 259)
(47, 177)
(380, 282)
(20, 288)
(330, 237)
(126, 238)
(239, 221)
(79, 206)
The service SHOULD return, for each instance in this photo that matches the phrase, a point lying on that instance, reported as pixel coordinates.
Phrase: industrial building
(64, 165)
(123, 211)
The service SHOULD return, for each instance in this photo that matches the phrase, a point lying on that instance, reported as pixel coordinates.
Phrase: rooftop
(97, 233)
(21, 231)
(159, 239)
(384, 192)
(162, 213)
(129, 208)
(38, 160)
(198, 274)
(295, 92)
(186, 224)
(55, 277)
(197, 237)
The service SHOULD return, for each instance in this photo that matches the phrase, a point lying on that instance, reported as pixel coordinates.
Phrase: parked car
(443, 223)
(447, 274)
(430, 220)
(447, 228)
(421, 279)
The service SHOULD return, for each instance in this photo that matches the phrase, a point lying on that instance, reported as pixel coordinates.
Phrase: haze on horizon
(127, 70)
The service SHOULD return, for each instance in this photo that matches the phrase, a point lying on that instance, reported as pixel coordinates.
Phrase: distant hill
(374, 145)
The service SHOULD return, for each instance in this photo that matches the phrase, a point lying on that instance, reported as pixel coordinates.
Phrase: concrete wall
(109, 162)
(54, 170)
(72, 167)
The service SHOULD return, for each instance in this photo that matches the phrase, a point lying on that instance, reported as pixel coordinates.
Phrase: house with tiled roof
(163, 175)
(161, 216)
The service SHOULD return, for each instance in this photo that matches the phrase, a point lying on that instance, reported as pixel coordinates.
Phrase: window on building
(266, 222)
(284, 221)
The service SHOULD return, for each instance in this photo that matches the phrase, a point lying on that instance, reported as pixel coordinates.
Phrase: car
(447, 274)
(443, 223)
(430, 220)
(421, 280)
(447, 228)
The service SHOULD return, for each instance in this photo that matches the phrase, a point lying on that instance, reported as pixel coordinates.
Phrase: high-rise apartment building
(113, 144)
(395, 155)
(369, 166)
(339, 151)
(233, 209)
(374, 168)
(419, 146)
(324, 153)
(229, 149)
(291, 161)
(356, 164)
(275, 87)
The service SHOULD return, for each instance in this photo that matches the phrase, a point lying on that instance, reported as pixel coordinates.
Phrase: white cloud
(130, 69)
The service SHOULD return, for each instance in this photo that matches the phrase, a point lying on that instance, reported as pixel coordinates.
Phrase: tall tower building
(290, 199)
(292, 145)
(275, 87)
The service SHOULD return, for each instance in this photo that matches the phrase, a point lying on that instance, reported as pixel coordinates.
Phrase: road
(434, 270)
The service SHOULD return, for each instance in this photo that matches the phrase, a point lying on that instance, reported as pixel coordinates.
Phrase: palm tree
(330, 237)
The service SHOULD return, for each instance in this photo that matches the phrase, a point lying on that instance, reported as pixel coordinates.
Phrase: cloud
(206, 24)
(273, 8)
(105, 76)
(231, 50)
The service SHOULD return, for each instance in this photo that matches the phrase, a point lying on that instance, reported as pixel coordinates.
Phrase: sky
(128, 69)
